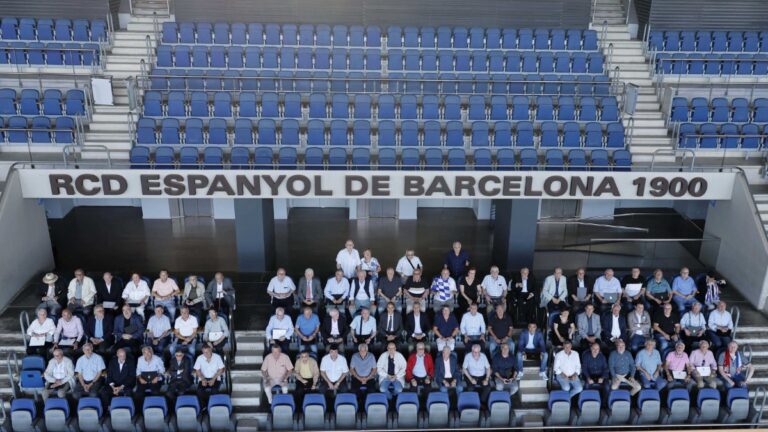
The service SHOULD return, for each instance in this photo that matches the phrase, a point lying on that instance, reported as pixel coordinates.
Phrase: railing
(674, 152)
(73, 150)
(758, 405)
(168, 6)
(719, 137)
(24, 325)
(12, 362)
(658, 59)
(628, 9)
(78, 136)
(736, 317)
(20, 61)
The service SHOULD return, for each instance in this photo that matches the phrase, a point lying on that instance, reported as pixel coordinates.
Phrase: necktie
(309, 290)
(389, 323)
(589, 326)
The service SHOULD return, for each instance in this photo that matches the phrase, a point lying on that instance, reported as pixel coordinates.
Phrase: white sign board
(57, 183)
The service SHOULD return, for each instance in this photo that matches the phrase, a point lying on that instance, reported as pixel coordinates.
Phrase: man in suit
(335, 328)
(580, 290)
(220, 294)
(588, 327)
(524, 295)
(109, 290)
(417, 325)
(53, 294)
(554, 295)
(447, 372)
(532, 342)
(128, 330)
(309, 291)
(390, 325)
(179, 376)
(121, 378)
(614, 325)
(99, 331)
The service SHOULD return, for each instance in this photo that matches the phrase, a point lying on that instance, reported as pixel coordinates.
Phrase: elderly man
(194, 296)
(633, 285)
(69, 333)
(416, 290)
(121, 377)
(703, 366)
(531, 342)
(280, 329)
(362, 368)
(309, 290)
(417, 324)
(500, 329)
(363, 327)
(150, 371)
(391, 369)
(443, 291)
(216, 331)
(594, 369)
(52, 294)
(649, 366)
(684, 291)
(614, 325)
(59, 376)
(336, 291)
(657, 290)
(472, 327)
(579, 289)
(370, 265)
(333, 370)
(419, 370)
(524, 295)
(220, 293)
(720, 326)
(129, 331)
(607, 291)
(307, 375)
(280, 290)
(456, 261)
(391, 324)
(733, 368)
(693, 325)
(494, 288)
(99, 331)
(185, 328)
(622, 368)
(677, 368)
(588, 327)
(477, 372)
(638, 327)
(445, 329)
(109, 294)
(81, 293)
(136, 294)
(159, 330)
(348, 260)
(666, 327)
(40, 333)
(567, 369)
(554, 295)
(275, 371)
(362, 294)
(407, 264)
(447, 372)
(179, 373)
(504, 372)
(307, 329)
(209, 369)
(164, 291)
(88, 371)
(335, 328)
(390, 290)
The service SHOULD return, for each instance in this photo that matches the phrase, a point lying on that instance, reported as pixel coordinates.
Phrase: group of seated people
(456, 330)
(102, 340)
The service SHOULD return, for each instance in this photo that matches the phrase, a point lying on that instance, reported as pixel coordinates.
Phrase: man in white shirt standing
(280, 290)
(348, 260)
(473, 327)
(567, 369)
(407, 264)
(494, 288)
(136, 294)
(336, 291)
(606, 288)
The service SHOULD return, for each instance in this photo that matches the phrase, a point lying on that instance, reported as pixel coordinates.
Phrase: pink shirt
(164, 289)
(677, 362)
(697, 359)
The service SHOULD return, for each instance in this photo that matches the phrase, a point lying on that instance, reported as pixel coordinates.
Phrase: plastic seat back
(407, 408)
(648, 404)
(155, 412)
(313, 409)
(219, 413)
(187, 411)
(559, 407)
(89, 412)
(499, 410)
(23, 415)
(121, 411)
(56, 415)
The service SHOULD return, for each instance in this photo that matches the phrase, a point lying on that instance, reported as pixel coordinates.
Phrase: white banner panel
(41, 183)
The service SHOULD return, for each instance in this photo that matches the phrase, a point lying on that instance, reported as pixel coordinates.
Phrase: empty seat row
(28, 102)
(386, 106)
(712, 64)
(361, 158)
(706, 41)
(358, 82)
(748, 136)
(719, 110)
(492, 38)
(408, 133)
(52, 54)
(79, 30)
(236, 57)
(222, 33)
(37, 130)
(122, 415)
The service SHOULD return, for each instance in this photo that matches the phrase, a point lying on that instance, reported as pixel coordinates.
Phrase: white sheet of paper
(66, 342)
(679, 375)
(704, 371)
(214, 336)
(108, 305)
(36, 341)
(278, 333)
(633, 288)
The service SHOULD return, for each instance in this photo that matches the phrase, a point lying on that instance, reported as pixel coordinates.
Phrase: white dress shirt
(604, 286)
(186, 327)
(47, 327)
(615, 330)
(209, 367)
(472, 325)
(348, 262)
(568, 364)
(280, 324)
(494, 287)
(135, 293)
(334, 368)
(281, 287)
(336, 287)
(720, 319)
(405, 269)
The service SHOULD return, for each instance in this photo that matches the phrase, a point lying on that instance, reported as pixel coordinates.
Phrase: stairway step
(245, 398)
(535, 394)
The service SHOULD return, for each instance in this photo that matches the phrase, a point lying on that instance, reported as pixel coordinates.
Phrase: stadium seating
(709, 52)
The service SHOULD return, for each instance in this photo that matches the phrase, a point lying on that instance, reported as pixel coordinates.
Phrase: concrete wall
(743, 254)
(26, 245)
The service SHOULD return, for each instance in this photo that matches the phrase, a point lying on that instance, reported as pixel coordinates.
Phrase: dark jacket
(538, 341)
(607, 325)
(440, 369)
(573, 285)
(593, 366)
(410, 324)
(125, 378)
(119, 327)
(317, 290)
(397, 323)
(108, 325)
(185, 367)
(114, 295)
(533, 286)
(60, 291)
(325, 329)
(226, 285)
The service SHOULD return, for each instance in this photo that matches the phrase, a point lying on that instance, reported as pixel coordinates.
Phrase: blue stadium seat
(247, 105)
(571, 135)
(222, 105)
(593, 135)
(707, 409)
(292, 105)
(730, 136)
(243, 132)
(678, 406)
(479, 137)
(337, 158)
(502, 134)
(267, 132)
(387, 160)
(89, 414)
(165, 157)
(520, 108)
(240, 157)
(290, 35)
(752, 138)
(509, 38)
(189, 157)
(587, 411)
(188, 411)
(482, 158)
(361, 159)
(289, 132)
(599, 162)
(525, 39)
(476, 107)
(313, 415)
(24, 414)
(430, 107)
(708, 138)
(549, 134)
(432, 134)
(577, 160)
(145, 131)
(505, 158)
(238, 34)
(574, 37)
(287, 157)
(529, 159)
(122, 414)
(544, 108)
(282, 412)
(737, 406)
(648, 403)
(373, 37)
(492, 38)
(433, 159)
(339, 135)
(64, 133)
(41, 130)
(155, 412)
(558, 408)
(410, 159)
(361, 133)
(139, 159)
(615, 135)
(524, 134)
(554, 159)
(454, 134)
(469, 410)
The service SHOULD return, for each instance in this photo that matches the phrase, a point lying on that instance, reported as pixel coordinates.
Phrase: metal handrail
(736, 317)
(673, 152)
(24, 325)
(73, 149)
(629, 5)
(630, 131)
(758, 404)
(150, 49)
(12, 361)
(609, 56)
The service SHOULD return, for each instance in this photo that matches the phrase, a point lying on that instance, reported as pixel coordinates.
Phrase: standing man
(456, 261)
(408, 264)
(280, 290)
(348, 260)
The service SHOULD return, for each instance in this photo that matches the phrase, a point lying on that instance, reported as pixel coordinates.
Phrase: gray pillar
(255, 235)
(514, 236)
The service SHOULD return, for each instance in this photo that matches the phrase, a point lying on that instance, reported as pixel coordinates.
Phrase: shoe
(543, 376)
(635, 390)
(520, 376)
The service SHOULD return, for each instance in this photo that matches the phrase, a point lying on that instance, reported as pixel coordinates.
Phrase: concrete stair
(757, 339)
(246, 379)
(761, 201)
